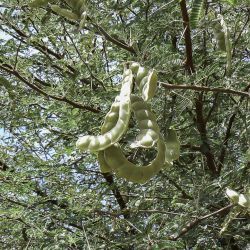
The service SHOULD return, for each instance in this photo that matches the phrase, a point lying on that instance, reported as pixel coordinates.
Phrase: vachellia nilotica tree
(110, 155)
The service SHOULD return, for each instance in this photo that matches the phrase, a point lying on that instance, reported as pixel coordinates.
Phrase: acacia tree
(60, 72)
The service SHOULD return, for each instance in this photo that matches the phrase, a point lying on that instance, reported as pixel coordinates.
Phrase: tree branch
(201, 126)
(3, 166)
(8, 68)
(120, 43)
(225, 142)
(109, 178)
(240, 33)
(113, 40)
(36, 45)
(195, 222)
(178, 187)
(206, 89)
(188, 42)
(45, 51)
(192, 147)
(137, 211)
(200, 120)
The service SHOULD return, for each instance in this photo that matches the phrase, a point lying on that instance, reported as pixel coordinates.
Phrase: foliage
(59, 77)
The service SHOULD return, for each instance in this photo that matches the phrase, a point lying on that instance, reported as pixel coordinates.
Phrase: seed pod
(134, 66)
(83, 19)
(78, 7)
(39, 3)
(90, 142)
(172, 146)
(149, 129)
(244, 200)
(228, 47)
(142, 72)
(104, 167)
(64, 12)
(233, 195)
(111, 118)
(109, 121)
(219, 36)
(146, 80)
(148, 87)
(110, 155)
(118, 128)
(146, 139)
(138, 174)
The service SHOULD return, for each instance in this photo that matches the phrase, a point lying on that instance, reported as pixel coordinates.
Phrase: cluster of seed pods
(110, 154)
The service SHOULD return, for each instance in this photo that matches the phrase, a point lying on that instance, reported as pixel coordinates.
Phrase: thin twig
(8, 68)
(202, 128)
(195, 222)
(188, 42)
(222, 155)
(138, 211)
(205, 89)
(81, 58)
(178, 187)
(241, 31)
(113, 40)
(109, 179)
(86, 237)
(17, 52)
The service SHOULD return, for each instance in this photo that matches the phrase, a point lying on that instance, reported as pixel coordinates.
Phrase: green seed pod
(65, 13)
(39, 3)
(146, 80)
(90, 142)
(149, 129)
(146, 139)
(111, 117)
(138, 174)
(76, 5)
(148, 124)
(119, 126)
(104, 167)
(219, 36)
(142, 72)
(134, 66)
(244, 200)
(110, 155)
(228, 47)
(172, 146)
(145, 114)
(148, 90)
(83, 19)
(233, 195)
(81, 6)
